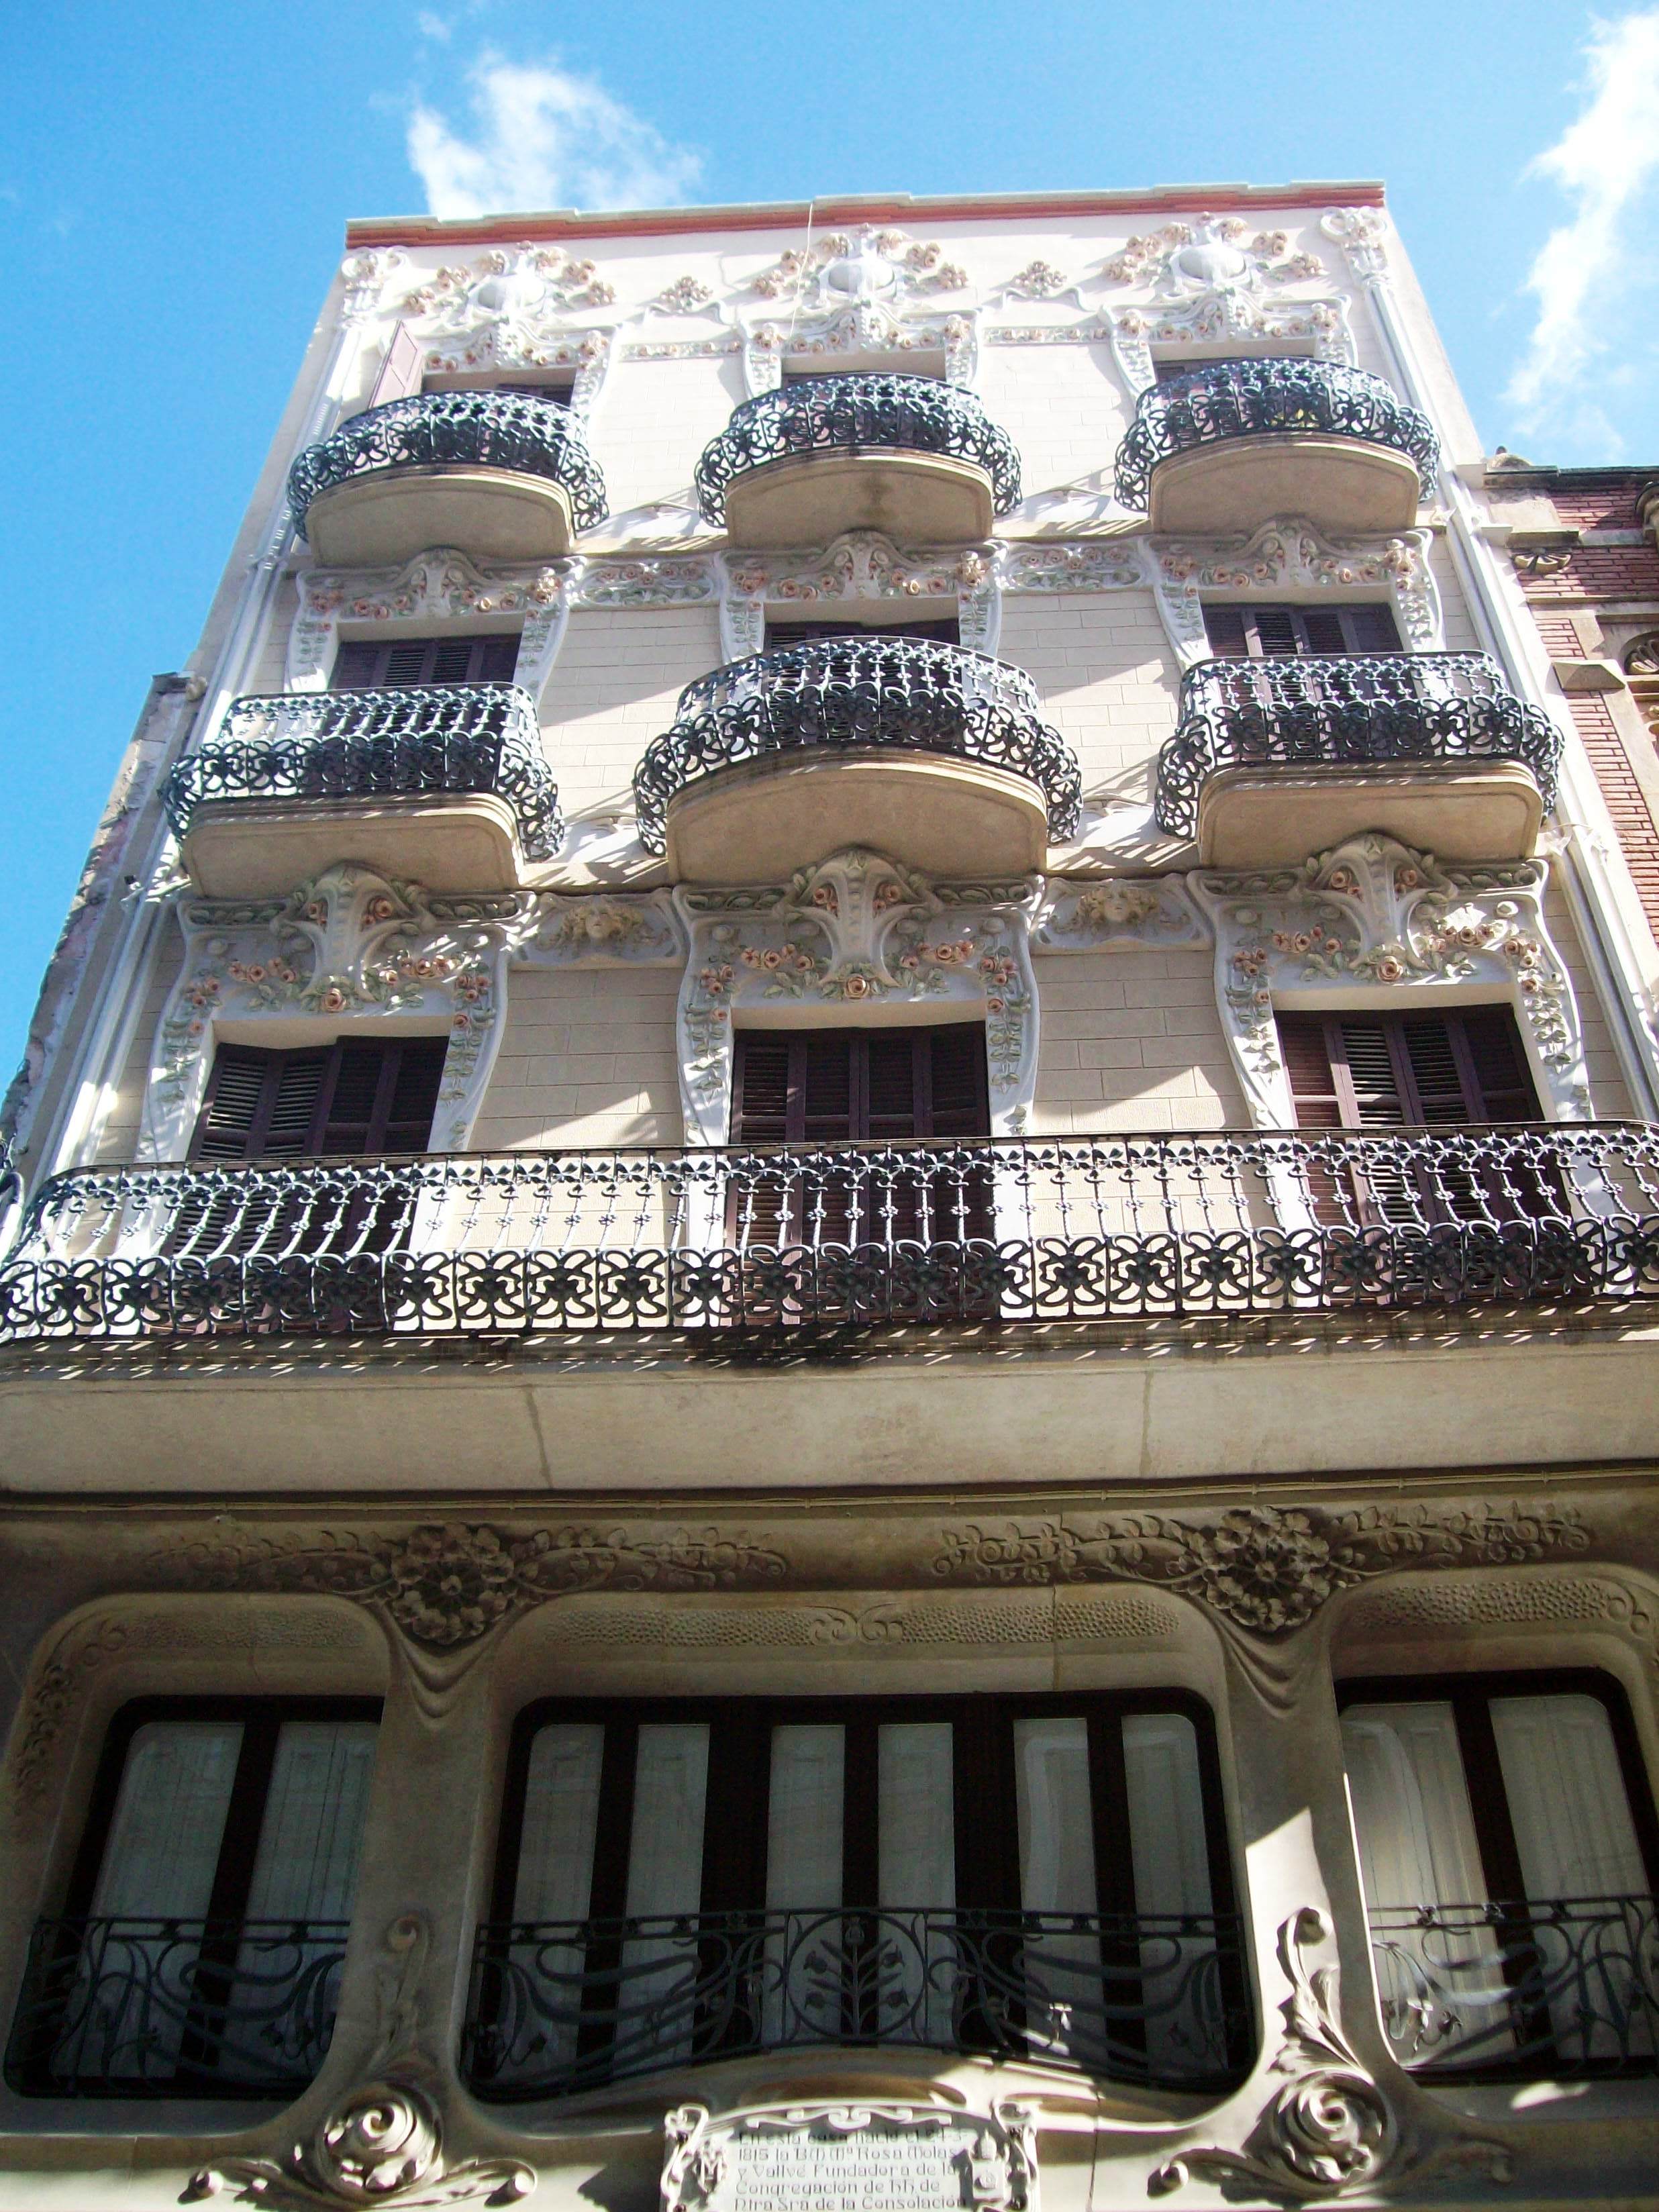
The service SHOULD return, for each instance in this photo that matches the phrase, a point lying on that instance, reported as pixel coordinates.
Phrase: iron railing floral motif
(414, 741)
(1032, 1231)
(843, 414)
(1370, 710)
(897, 693)
(1220, 399)
(1556, 1986)
(510, 431)
(558, 2006)
(153, 2007)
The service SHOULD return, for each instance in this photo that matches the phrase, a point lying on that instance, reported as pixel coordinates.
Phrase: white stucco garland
(1288, 557)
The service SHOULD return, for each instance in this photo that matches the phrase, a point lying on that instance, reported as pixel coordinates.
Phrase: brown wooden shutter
(1386, 1070)
(1372, 629)
(259, 1104)
(360, 1095)
(400, 372)
(947, 631)
(1320, 630)
(367, 665)
(1268, 632)
(1228, 633)
(835, 1086)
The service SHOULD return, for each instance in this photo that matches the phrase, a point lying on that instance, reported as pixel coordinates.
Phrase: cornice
(786, 214)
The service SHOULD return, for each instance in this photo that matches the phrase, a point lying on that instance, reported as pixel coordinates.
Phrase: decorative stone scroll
(1372, 922)
(858, 931)
(861, 567)
(878, 2158)
(853, 293)
(515, 307)
(1289, 555)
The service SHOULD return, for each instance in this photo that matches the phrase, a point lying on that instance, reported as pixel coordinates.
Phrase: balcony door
(207, 1913)
(695, 1881)
(368, 664)
(1507, 1846)
(1265, 632)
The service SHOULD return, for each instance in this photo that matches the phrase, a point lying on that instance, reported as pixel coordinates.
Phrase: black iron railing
(846, 414)
(896, 694)
(1554, 1986)
(510, 431)
(1021, 1232)
(557, 2007)
(412, 742)
(1374, 710)
(136, 2007)
(1220, 399)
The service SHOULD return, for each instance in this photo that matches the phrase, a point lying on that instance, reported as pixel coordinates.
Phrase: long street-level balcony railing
(1227, 445)
(1275, 759)
(1017, 1231)
(445, 784)
(503, 475)
(933, 753)
(1559, 1987)
(163, 2007)
(909, 455)
(557, 2008)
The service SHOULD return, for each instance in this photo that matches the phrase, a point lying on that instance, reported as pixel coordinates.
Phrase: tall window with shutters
(945, 629)
(368, 664)
(818, 1090)
(1287, 633)
(206, 1914)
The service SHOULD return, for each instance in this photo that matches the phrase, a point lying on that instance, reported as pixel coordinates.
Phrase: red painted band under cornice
(891, 207)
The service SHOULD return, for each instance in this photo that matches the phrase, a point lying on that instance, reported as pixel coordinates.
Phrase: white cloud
(1604, 161)
(434, 27)
(544, 138)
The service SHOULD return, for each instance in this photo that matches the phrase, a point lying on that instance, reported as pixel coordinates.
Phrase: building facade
(827, 1369)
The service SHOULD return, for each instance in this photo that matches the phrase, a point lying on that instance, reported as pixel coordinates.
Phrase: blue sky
(174, 180)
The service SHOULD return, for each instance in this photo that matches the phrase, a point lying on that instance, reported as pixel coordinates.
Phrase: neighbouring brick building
(828, 1375)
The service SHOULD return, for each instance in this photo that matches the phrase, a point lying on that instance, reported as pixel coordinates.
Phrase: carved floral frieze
(1373, 923)
(858, 931)
(514, 307)
(1288, 557)
(860, 567)
(856, 292)
(1121, 914)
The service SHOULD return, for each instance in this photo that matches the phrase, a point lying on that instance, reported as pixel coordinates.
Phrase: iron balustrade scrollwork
(558, 2006)
(1558, 1986)
(159, 2008)
(414, 741)
(1017, 1230)
(1221, 399)
(1370, 710)
(906, 695)
(857, 413)
(513, 431)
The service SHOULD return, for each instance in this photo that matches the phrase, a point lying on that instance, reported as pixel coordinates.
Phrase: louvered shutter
(1372, 629)
(1308, 1064)
(1322, 631)
(1497, 1065)
(367, 665)
(361, 1095)
(1228, 633)
(260, 1104)
(947, 631)
(1278, 633)
(400, 372)
(356, 665)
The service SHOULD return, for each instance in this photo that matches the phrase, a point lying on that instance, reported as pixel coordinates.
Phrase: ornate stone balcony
(916, 459)
(557, 2008)
(443, 784)
(1228, 445)
(933, 754)
(502, 474)
(1021, 1232)
(1273, 759)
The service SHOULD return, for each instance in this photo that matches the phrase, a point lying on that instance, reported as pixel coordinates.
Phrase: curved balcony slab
(917, 460)
(445, 785)
(930, 752)
(1228, 445)
(500, 474)
(1275, 817)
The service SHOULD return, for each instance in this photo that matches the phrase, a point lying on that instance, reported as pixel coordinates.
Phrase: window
(947, 631)
(682, 1880)
(1385, 1071)
(207, 1912)
(1507, 1845)
(1283, 633)
(357, 1095)
(366, 664)
(930, 367)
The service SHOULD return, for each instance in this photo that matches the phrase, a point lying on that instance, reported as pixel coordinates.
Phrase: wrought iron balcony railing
(559, 2007)
(510, 431)
(891, 693)
(1220, 399)
(412, 742)
(134, 2008)
(1020, 1231)
(1374, 710)
(846, 414)
(1558, 1986)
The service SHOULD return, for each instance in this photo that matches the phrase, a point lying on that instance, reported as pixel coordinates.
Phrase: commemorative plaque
(850, 2158)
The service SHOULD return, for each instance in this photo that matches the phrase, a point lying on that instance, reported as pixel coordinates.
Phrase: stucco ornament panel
(1072, 565)
(515, 307)
(366, 276)
(860, 567)
(857, 932)
(1362, 234)
(1204, 282)
(348, 942)
(1371, 923)
(1138, 914)
(601, 930)
(440, 586)
(1265, 1569)
(1289, 555)
(853, 292)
